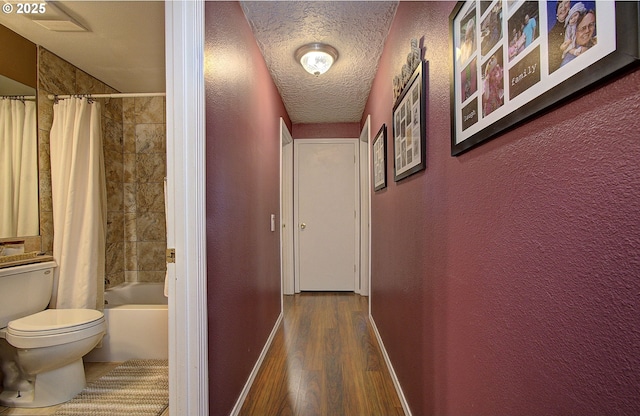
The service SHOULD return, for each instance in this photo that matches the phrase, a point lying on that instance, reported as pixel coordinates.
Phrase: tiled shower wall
(134, 153)
(144, 172)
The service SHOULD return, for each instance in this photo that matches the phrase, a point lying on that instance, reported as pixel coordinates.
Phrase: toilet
(41, 349)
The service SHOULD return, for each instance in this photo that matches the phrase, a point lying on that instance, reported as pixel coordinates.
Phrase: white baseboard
(396, 383)
(256, 367)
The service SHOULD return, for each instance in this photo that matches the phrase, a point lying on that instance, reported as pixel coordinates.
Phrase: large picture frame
(409, 126)
(380, 159)
(512, 59)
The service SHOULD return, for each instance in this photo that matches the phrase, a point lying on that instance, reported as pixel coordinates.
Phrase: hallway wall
(505, 281)
(243, 110)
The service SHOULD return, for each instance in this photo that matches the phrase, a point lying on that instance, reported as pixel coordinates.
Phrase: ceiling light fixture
(316, 58)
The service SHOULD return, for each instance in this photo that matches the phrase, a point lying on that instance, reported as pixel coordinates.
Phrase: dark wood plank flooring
(324, 360)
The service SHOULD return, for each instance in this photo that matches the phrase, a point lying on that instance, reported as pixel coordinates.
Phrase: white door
(326, 214)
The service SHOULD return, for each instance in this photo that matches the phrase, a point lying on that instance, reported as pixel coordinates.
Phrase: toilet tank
(25, 290)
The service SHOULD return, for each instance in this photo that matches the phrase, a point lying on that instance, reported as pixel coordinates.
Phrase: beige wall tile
(151, 167)
(151, 276)
(150, 138)
(130, 174)
(114, 260)
(130, 226)
(131, 257)
(151, 226)
(128, 110)
(115, 197)
(131, 276)
(112, 107)
(44, 155)
(113, 165)
(129, 138)
(149, 110)
(112, 135)
(45, 110)
(150, 197)
(151, 256)
(46, 231)
(46, 204)
(115, 279)
(56, 76)
(115, 226)
(130, 203)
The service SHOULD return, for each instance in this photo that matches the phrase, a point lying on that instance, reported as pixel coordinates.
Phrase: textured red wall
(507, 280)
(325, 130)
(243, 109)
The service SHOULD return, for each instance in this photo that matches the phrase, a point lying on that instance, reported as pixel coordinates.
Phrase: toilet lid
(55, 321)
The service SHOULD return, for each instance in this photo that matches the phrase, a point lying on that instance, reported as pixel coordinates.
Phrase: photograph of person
(468, 36)
(563, 31)
(492, 83)
(516, 43)
(584, 36)
(469, 80)
(491, 28)
(523, 28)
(569, 44)
(557, 23)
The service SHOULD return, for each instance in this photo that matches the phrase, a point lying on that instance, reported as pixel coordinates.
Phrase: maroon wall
(243, 109)
(326, 131)
(506, 280)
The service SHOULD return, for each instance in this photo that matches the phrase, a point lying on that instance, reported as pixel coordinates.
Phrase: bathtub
(137, 324)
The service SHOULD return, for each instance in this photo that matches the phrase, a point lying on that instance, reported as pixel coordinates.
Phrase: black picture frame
(409, 126)
(380, 159)
(533, 80)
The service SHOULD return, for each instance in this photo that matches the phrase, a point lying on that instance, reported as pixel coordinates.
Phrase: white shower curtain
(78, 190)
(18, 169)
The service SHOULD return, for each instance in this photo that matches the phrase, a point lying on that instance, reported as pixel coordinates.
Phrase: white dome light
(316, 58)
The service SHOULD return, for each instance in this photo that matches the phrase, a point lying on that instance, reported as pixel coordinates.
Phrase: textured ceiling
(124, 48)
(356, 29)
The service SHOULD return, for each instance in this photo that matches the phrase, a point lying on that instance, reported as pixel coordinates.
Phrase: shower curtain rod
(19, 97)
(118, 95)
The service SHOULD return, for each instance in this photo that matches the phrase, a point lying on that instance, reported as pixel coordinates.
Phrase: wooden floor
(324, 360)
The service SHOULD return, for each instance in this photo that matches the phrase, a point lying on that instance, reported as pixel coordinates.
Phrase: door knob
(303, 226)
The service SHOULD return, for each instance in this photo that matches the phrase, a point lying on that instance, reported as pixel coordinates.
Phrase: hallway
(324, 360)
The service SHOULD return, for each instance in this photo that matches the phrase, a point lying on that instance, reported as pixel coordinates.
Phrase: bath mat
(134, 388)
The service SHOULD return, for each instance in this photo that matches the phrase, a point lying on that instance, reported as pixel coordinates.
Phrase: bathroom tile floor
(93, 371)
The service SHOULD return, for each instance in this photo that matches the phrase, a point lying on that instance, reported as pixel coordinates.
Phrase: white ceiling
(124, 47)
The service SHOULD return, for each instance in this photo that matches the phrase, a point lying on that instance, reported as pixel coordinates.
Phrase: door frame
(365, 209)
(186, 208)
(296, 145)
(286, 210)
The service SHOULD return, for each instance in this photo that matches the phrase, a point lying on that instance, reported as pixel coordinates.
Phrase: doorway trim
(365, 209)
(186, 208)
(286, 210)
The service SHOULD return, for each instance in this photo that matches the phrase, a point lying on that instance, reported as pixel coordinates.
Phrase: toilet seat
(54, 327)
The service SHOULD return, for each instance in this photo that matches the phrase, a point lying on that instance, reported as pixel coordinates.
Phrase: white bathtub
(137, 324)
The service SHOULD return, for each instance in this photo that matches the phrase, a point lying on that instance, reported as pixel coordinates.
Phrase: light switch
(273, 222)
